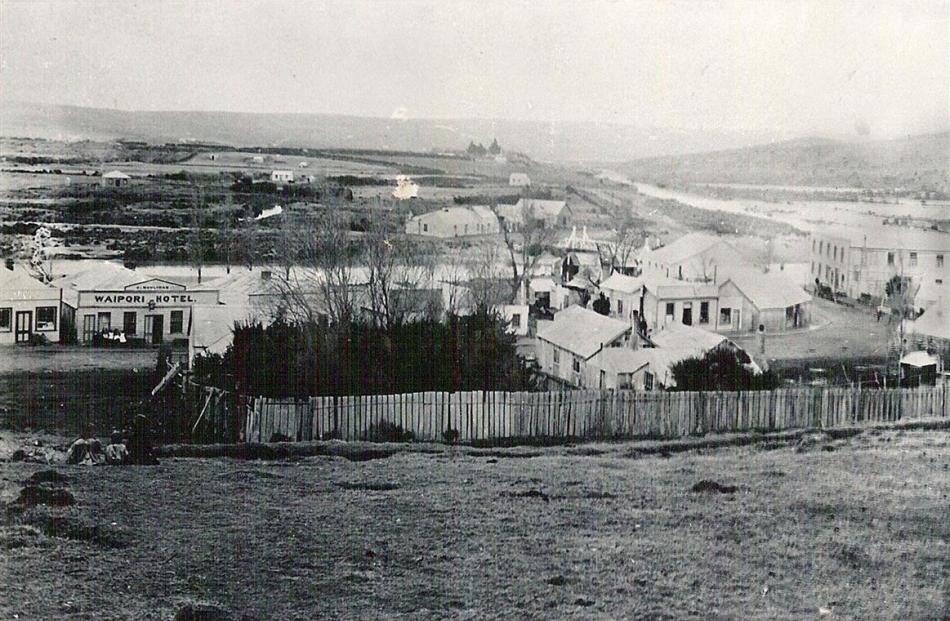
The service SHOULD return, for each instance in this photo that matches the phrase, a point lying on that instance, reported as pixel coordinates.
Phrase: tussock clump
(33, 495)
(47, 476)
(707, 486)
(369, 486)
(20, 536)
(75, 529)
(531, 493)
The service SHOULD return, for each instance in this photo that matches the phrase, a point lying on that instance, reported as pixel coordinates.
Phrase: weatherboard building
(110, 300)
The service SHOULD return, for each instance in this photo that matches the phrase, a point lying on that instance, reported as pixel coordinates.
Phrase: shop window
(176, 323)
(6, 319)
(104, 323)
(725, 316)
(129, 323)
(45, 318)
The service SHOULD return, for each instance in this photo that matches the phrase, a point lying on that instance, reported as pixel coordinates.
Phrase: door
(687, 315)
(88, 328)
(24, 326)
(738, 320)
(154, 328)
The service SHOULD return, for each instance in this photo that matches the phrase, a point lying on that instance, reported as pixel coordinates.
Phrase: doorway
(154, 328)
(88, 328)
(24, 326)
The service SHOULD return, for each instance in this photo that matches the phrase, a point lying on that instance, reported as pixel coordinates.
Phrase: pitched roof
(687, 246)
(622, 283)
(767, 289)
(672, 289)
(582, 331)
(623, 359)
(19, 284)
(103, 275)
(456, 216)
(116, 174)
(212, 325)
(686, 341)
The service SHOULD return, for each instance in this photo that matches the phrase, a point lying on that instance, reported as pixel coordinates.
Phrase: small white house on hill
(519, 180)
(282, 176)
(115, 179)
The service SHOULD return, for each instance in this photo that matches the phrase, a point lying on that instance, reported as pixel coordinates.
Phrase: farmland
(848, 528)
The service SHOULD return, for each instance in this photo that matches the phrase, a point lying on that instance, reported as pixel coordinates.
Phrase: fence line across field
(485, 416)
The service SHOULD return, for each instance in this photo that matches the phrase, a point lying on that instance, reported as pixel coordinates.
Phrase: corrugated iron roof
(582, 331)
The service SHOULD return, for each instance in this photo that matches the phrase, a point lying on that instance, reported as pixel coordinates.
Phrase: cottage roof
(671, 289)
(116, 174)
(768, 289)
(541, 208)
(212, 325)
(623, 284)
(686, 341)
(541, 285)
(582, 331)
(456, 216)
(623, 359)
(18, 284)
(103, 275)
(685, 247)
(919, 359)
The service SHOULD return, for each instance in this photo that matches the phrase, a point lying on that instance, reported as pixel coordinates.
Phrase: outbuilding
(29, 308)
(115, 179)
(750, 298)
(519, 180)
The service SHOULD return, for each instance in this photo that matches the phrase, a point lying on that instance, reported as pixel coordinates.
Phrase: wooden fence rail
(479, 416)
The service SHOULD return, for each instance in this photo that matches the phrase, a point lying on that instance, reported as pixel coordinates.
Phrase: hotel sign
(150, 299)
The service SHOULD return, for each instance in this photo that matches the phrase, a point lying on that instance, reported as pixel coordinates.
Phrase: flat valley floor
(843, 529)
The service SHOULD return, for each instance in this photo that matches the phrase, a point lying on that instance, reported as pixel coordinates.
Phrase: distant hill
(916, 163)
(573, 141)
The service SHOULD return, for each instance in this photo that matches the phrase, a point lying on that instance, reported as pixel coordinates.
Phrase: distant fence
(582, 414)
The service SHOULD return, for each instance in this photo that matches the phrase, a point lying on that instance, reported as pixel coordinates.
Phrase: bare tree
(524, 247)
(619, 253)
(400, 283)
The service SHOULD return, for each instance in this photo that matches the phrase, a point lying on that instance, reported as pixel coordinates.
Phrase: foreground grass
(859, 532)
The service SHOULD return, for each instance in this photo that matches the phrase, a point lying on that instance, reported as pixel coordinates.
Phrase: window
(857, 275)
(670, 309)
(821, 247)
(104, 322)
(576, 364)
(812, 267)
(939, 260)
(128, 323)
(913, 259)
(45, 318)
(648, 380)
(175, 325)
(890, 258)
(557, 355)
(619, 307)
(6, 319)
(516, 320)
(725, 316)
(704, 312)
(687, 313)
(813, 245)
(425, 227)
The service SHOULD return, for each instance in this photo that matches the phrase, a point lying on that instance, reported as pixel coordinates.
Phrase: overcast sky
(801, 67)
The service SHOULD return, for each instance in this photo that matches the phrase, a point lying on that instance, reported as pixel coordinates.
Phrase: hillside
(571, 141)
(915, 163)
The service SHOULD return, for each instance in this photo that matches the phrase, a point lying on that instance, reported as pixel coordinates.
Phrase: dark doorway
(24, 326)
(155, 328)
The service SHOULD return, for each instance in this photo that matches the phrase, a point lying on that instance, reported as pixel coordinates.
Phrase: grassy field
(846, 529)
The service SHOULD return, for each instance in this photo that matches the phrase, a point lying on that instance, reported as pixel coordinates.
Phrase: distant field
(845, 529)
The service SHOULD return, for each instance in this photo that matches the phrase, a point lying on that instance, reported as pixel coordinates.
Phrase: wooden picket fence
(486, 417)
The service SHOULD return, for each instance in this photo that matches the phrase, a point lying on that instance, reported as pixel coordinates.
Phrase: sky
(871, 68)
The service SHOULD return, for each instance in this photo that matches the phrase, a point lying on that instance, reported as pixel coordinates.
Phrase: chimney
(265, 275)
(9, 264)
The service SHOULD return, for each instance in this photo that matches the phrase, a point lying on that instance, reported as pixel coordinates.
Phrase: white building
(566, 344)
(115, 179)
(859, 264)
(28, 307)
(695, 256)
(406, 188)
(454, 222)
(519, 180)
(281, 177)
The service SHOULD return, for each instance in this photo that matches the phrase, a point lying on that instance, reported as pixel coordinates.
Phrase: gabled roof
(767, 289)
(582, 331)
(541, 208)
(116, 174)
(20, 284)
(457, 216)
(622, 283)
(687, 246)
(671, 289)
(686, 341)
(623, 359)
(212, 326)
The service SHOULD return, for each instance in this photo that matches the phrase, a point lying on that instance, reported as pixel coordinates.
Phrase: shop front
(150, 312)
